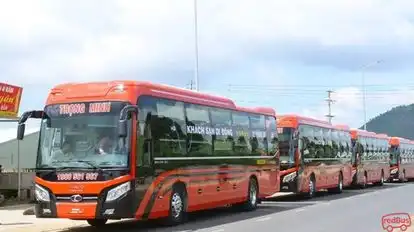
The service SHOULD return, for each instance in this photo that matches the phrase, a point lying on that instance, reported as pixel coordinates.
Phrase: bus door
(145, 155)
(296, 148)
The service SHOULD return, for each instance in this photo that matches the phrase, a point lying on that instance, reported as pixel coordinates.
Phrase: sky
(282, 54)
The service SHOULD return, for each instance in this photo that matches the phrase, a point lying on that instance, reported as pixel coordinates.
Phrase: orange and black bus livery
(314, 155)
(401, 159)
(370, 158)
(128, 149)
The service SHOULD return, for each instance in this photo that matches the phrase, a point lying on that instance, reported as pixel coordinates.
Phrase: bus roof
(395, 141)
(293, 121)
(357, 132)
(129, 90)
(343, 127)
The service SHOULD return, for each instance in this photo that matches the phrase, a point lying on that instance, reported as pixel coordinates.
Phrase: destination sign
(81, 108)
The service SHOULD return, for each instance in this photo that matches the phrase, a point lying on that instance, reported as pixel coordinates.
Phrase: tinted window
(272, 135)
(307, 134)
(223, 136)
(327, 143)
(241, 119)
(257, 121)
(199, 131)
(258, 137)
(241, 134)
(161, 127)
(168, 129)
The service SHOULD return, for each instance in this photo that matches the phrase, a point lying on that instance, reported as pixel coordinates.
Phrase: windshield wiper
(55, 169)
(95, 167)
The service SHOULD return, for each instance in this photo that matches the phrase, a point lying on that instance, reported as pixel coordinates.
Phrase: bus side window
(272, 136)
(147, 109)
(169, 129)
(241, 133)
(199, 131)
(307, 136)
(223, 136)
(258, 139)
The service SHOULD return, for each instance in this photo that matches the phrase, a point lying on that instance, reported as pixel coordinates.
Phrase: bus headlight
(41, 194)
(289, 177)
(118, 191)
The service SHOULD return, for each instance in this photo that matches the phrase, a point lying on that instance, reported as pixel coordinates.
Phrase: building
(28, 149)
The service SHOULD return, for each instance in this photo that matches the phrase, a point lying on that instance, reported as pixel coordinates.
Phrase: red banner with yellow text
(10, 96)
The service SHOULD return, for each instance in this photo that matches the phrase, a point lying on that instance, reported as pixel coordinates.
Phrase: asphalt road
(353, 210)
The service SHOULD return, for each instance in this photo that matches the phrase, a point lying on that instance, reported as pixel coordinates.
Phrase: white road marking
(291, 202)
(218, 230)
(299, 210)
(263, 219)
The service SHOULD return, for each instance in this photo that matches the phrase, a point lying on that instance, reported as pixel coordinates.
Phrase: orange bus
(129, 149)
(314, 155)
(401, 159)
(370, 158)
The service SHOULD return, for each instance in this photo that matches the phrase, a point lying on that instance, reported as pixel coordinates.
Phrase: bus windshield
(394, 155)
(285, 143)
(82, 135)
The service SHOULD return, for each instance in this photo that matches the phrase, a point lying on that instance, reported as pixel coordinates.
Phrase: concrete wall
(28, 150)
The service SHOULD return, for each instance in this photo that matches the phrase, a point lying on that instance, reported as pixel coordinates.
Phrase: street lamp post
(196, 82)
(364, 89)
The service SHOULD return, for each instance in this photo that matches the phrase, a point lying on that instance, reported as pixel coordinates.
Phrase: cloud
(348, 106)
(51, 41)
(46, 42)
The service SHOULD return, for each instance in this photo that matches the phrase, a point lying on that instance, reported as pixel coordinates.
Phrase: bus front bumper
(89, 208)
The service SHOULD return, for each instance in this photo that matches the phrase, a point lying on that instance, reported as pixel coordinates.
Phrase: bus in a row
(315, 155)
(129, 149)
(133, 149)
(401, 159)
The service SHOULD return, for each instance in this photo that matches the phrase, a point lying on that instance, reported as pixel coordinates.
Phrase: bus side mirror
(122, 129)
(20, 131)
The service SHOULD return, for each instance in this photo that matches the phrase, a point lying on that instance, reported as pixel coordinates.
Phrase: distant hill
(399, 121)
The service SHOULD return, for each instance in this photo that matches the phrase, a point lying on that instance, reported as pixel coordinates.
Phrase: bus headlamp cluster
(289, 177)
(41, 194)
(118, 191)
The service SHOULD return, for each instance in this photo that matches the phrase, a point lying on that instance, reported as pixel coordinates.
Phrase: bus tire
(312, 187)
(403, 177)
(364, 183)
(338, 189)
(381, 182)
(97, 222)
(178, 205)
(252, 196)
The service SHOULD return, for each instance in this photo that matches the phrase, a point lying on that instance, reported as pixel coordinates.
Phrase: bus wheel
(97, 222)
(364, 183)
(403, 177)
(312, 188)
(177, 210)
(381, 183)
(252, 196)
(339, 188)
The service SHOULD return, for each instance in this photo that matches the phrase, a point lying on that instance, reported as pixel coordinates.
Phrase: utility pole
(330, 102)
(190, 85)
